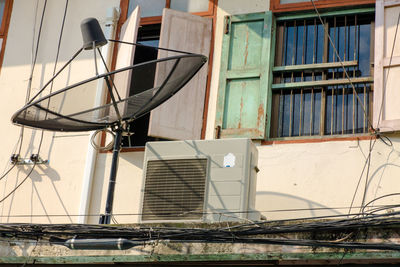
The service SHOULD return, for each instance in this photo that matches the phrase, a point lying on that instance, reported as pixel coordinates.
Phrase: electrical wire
(343, 67)
(371, 146)
(326, 217)
(384, 196)
(7, 172)
(242, 233)
(387, 141)
(226, 213)
(30, 85)
(23, 181)
(28, 91)
(109, 146)
(55, 66)
(360, 178)
(33, 65)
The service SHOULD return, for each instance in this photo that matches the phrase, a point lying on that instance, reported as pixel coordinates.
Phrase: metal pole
(106, 218)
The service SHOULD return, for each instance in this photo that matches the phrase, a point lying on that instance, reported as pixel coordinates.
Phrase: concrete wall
(295, 180)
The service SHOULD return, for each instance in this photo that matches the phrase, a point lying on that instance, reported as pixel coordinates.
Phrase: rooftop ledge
(18, 244)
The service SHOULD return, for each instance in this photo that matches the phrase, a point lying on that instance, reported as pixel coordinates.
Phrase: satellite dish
(64, 109)
(72, 108)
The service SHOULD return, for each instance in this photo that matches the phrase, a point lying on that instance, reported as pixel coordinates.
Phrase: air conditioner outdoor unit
(205, 180)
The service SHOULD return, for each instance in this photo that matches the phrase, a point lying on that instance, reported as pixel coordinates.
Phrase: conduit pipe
(91, 155)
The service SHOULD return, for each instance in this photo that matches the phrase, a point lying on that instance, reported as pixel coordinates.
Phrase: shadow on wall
(102, 176)
(23, 30)
(382, 175)
(35, 177)
(284, 206)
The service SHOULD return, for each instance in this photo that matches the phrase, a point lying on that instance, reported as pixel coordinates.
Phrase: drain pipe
(91, 155)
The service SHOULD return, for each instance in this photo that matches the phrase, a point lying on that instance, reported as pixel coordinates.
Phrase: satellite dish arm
(114, 102)
(55, 75)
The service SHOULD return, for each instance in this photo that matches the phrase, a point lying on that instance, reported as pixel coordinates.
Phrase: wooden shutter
(181, 117)
(126, 54)
(387, 68)
(245, 75)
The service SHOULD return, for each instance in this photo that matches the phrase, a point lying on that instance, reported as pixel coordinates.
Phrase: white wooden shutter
(181, 117)
(126, 54)
(387, 68)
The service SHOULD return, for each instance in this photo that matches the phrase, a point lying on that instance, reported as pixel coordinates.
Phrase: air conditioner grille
(174, 189)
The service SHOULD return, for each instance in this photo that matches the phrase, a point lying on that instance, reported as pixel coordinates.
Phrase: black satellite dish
(154, 81)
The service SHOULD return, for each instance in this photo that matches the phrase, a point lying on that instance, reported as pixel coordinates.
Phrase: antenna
(72, 108)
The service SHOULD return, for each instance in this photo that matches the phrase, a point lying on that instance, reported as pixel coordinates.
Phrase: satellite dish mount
(70, 109)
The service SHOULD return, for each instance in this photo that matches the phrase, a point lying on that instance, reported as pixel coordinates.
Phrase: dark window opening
(147, 35)
(303, 104)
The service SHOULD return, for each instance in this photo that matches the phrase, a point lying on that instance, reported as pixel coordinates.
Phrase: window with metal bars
(311, 93)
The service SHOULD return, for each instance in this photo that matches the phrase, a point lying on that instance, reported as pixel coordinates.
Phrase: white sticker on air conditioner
(229, 160)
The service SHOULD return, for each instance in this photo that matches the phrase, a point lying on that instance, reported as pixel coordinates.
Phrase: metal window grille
(311, 94)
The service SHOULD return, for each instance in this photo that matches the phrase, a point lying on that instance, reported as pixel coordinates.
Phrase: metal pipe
(106, 218)
(91, 155)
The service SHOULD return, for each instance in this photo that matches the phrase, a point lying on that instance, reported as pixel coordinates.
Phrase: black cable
(30, 83)
(371, 146)
(361, 175)
(343, 67)
(55, 67)
(36, 53)
(29, 87)
(28, 90)
(269, 241)
(15, 189)
(374, 211)
(200, 235)
(163, 232)
(372, 201)
(197, 213)
(386, 140)
(7, 172)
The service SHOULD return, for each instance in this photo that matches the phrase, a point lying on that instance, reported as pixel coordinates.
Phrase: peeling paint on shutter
(243, 94)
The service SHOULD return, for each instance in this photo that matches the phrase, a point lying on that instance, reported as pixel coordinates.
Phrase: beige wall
(52, 189)
(322, 178)
(311, 179)
(308, 179)
(127, 189)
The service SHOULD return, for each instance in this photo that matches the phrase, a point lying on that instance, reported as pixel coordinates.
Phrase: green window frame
(246, 106)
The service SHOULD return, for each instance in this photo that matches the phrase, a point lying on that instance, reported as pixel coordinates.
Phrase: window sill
(317, 139)
(126, 149)
(285, 140)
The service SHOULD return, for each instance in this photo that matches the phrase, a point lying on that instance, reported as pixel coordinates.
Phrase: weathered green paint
(248, 17)
(244, 76)
(321, 83)
(312, 14)
(370, 256)
(239, 74)
(318, 66)
(270, 79)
